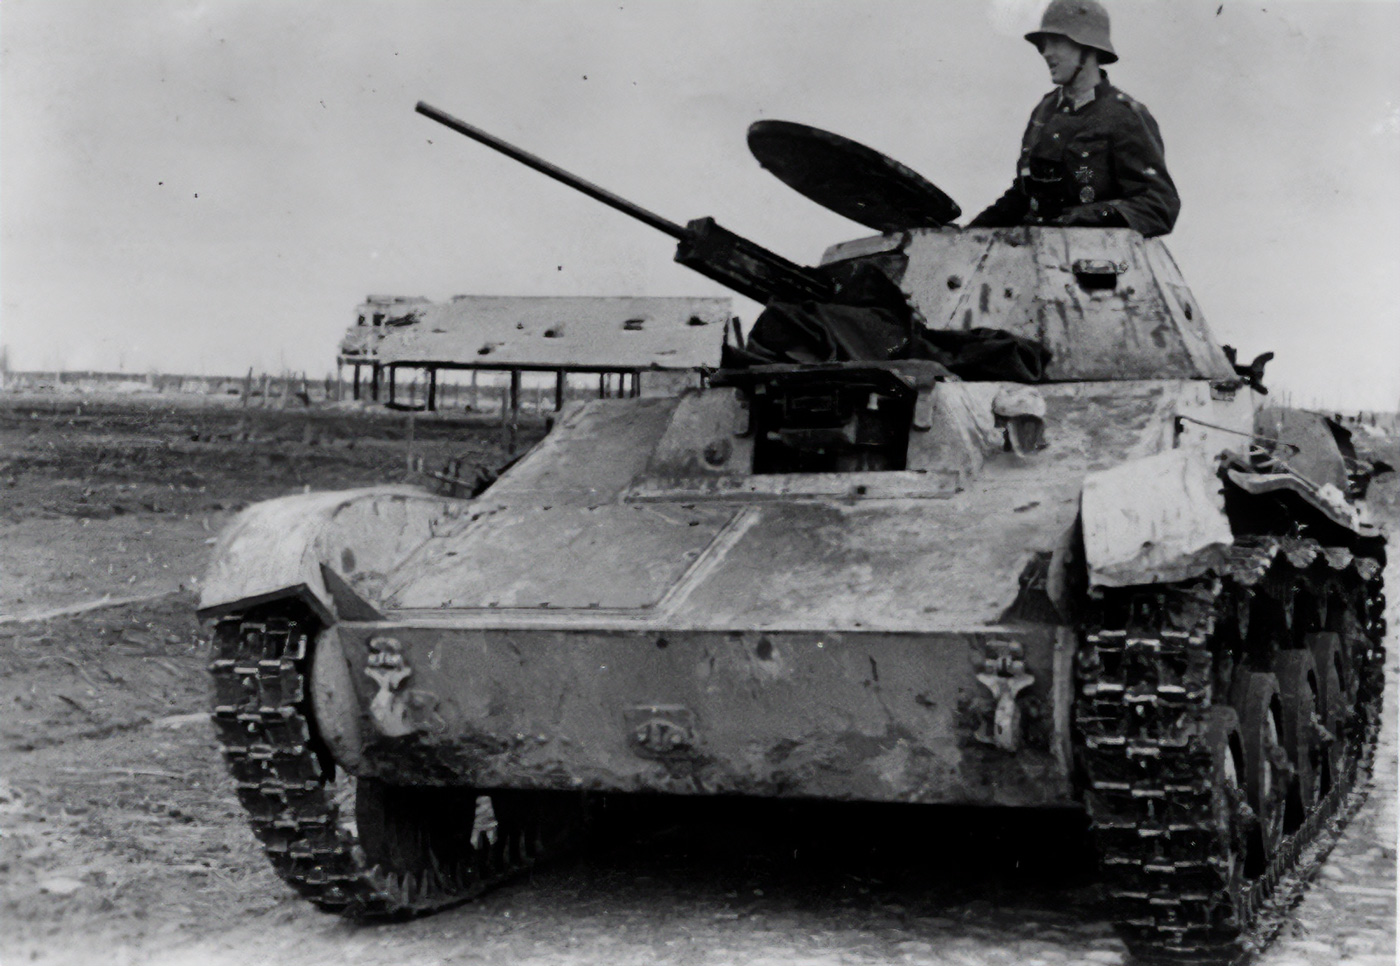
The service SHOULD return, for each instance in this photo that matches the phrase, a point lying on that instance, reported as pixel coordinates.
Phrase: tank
(1128, 588)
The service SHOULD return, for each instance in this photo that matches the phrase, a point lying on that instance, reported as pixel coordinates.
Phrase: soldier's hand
(1092, 216)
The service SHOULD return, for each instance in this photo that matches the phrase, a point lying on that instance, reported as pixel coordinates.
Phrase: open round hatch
(850, 178)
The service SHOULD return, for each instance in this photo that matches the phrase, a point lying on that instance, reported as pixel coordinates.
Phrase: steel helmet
(1083, 21)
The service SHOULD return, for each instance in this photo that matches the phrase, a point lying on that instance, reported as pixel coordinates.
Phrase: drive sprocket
(359, 846)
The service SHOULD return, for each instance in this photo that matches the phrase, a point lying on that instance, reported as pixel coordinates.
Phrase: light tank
(1126, 588)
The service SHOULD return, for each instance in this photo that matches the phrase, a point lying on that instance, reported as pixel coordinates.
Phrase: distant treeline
(91, 381)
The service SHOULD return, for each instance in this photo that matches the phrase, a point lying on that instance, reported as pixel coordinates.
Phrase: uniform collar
(1099, 90)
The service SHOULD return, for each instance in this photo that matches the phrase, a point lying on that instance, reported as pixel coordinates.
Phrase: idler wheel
(1256, 699)
(1300, 712)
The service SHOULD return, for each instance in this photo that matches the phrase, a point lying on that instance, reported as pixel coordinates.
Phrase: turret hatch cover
(849, 178)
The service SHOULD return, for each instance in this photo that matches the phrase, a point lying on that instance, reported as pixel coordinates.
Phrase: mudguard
(1152, 520)
(1305, 444)
(1327, 500)
(1311, 457)
(329, 550)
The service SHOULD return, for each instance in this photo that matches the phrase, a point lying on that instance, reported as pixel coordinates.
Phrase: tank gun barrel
(713, 251)
(554, 171)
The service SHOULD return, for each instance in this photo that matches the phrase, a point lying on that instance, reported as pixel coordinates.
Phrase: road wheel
(1326, 647)
(1232, 815)
(1256, 699)
(1300, 710)
(1332, 704)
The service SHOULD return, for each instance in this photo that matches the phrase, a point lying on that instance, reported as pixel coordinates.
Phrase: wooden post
(266, 387)
(476, 400)
(374, 383)
(514, 396)
(247, 387)
(560, 382)
(432, 390)
(355, 385)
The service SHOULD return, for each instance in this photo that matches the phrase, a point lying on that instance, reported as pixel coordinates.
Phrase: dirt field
(121, 842)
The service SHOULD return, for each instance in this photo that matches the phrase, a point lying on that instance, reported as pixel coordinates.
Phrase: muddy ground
(121, 842)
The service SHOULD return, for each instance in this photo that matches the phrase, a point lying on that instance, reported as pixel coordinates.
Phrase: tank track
(1165, 838)
(287, 784)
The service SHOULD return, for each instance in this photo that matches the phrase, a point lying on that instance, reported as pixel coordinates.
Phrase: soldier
(1091, 155)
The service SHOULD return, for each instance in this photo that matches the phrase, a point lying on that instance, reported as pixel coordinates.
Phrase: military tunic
(1101, 164)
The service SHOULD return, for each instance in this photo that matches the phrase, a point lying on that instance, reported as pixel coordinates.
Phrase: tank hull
(640, 619)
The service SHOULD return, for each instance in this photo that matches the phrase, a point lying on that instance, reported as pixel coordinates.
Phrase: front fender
(282, 548)
(1154, 520)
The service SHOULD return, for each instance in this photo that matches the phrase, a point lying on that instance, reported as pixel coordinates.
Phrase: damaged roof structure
(560, 334)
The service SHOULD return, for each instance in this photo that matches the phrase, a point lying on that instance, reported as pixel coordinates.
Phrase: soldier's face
(1061, 56)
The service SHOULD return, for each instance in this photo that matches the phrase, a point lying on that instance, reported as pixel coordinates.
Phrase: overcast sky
(207, 186)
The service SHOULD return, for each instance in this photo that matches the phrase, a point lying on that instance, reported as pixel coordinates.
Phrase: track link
(434, 847)
(1170, 838)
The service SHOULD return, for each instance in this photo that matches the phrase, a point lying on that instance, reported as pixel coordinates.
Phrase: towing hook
(1004, 674)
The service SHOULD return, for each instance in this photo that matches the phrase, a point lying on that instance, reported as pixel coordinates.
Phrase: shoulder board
(1135, 105)
(1045, 104)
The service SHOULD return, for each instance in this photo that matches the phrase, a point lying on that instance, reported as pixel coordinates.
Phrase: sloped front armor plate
(569, 557)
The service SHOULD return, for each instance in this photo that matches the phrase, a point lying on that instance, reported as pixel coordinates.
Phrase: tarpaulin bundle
(874, 323)
(984, 355)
